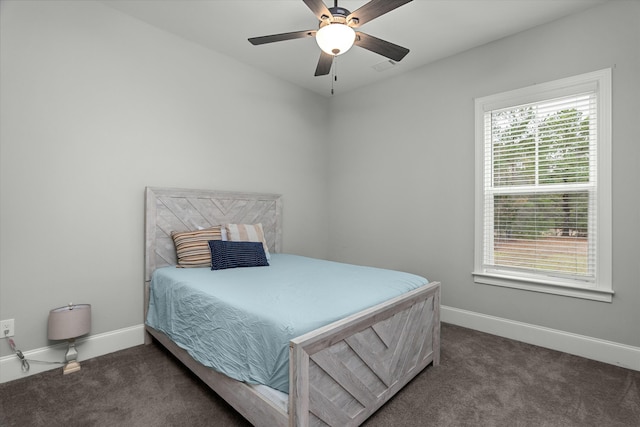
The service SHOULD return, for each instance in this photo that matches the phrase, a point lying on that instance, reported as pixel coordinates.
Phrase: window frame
(601, 289)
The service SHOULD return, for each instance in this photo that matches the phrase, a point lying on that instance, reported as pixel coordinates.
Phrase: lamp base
(72, 358)
(70, 367)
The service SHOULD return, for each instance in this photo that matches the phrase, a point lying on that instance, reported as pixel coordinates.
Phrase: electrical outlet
(6, 328)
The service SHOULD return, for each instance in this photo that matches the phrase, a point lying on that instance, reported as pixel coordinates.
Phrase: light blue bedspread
(240, 321)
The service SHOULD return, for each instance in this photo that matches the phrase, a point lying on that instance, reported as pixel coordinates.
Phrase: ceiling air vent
(384, 66)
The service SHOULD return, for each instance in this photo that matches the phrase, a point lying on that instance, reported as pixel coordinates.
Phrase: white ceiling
(431, 29)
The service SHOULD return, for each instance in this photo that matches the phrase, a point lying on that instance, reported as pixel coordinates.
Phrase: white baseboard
(610, 352)
(580, 345)
(88, 348)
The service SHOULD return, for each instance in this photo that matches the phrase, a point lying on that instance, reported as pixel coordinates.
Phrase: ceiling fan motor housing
(340, 11)
(339, 16)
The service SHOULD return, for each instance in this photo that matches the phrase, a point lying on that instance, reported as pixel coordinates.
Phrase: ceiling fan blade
(318, 8)
(281, 37)
(324, 64)
(379, 46)
(372, 10)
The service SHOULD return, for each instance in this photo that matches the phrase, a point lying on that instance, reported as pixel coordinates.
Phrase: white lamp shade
(69, 322)
(335, 39)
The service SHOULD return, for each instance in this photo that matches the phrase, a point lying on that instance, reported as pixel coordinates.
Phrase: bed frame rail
(252, 405)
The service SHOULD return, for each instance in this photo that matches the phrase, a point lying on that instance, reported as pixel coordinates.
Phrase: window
(543, 188)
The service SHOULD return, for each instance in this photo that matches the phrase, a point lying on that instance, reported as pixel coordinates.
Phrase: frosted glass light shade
(335, 39)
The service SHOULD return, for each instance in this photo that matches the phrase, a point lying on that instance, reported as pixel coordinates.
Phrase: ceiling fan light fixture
(336, 38)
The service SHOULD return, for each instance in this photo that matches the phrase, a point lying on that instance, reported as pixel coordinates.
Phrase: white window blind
(538, 211)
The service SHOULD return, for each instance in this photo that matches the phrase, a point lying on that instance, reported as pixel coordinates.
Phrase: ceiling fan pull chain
(334, 77)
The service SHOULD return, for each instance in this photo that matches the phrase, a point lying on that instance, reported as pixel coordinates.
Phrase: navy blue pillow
(227, 254)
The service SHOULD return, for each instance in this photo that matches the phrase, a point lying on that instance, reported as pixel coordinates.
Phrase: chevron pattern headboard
(172, 209)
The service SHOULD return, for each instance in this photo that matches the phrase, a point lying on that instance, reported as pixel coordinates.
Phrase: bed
(338, 374)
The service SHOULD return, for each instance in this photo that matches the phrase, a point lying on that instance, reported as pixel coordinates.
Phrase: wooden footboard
(344, 372)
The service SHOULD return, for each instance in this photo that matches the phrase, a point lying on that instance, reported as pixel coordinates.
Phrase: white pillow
(245, 233)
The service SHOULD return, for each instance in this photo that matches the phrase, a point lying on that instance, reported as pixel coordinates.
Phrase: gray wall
(402, 191)
(94, 107)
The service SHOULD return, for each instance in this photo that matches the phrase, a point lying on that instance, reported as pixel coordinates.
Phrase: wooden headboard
(173, 209)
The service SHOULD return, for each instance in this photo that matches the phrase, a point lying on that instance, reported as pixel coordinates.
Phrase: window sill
(541, 286)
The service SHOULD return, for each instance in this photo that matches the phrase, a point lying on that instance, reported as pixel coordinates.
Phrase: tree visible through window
(533, 149)
(540, 172)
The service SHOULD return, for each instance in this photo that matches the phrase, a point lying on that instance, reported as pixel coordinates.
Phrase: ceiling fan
(335, 34)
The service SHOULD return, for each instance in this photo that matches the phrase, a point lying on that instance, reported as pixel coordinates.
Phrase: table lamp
(68, 323)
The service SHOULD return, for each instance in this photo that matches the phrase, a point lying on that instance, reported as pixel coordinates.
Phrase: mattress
(240, 321)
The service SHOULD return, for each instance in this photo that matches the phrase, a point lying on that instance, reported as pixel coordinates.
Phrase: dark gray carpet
(483, 380)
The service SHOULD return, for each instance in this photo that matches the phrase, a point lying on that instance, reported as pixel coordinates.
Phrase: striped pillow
(192, 247)
(247, 233)
(236, 254)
